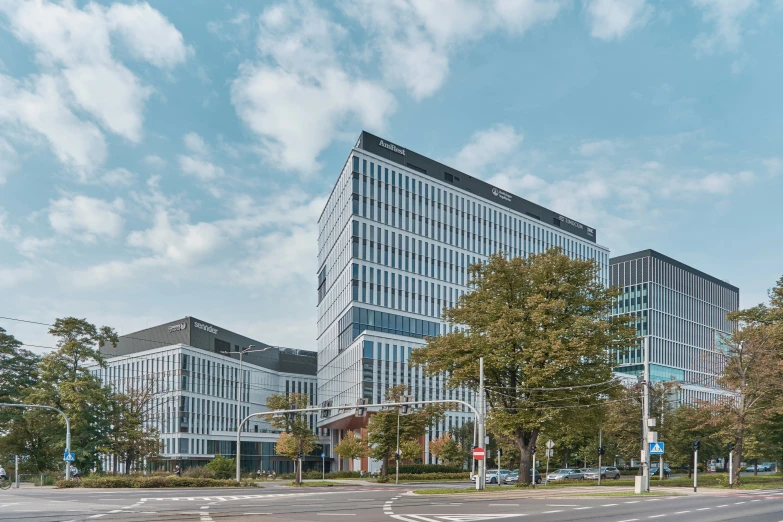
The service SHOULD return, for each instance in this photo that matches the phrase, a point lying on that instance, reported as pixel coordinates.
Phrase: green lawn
(315, 484)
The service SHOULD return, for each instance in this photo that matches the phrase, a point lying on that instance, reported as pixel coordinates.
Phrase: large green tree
(544, 328)
(67, 383)
(382, 428)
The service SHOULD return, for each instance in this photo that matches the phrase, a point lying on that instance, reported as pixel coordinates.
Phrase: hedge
(415, 469)
(137, 481)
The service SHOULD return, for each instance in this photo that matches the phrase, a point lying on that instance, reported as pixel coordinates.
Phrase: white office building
(395, 240)
(191, 369)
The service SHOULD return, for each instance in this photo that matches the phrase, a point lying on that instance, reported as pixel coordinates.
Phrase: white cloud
(15, 276)
(597, 148)
(86, 218)
(8, 160)
(120, 177)
(154, 161)
(486, 147)
(299, 96)
(203, 170)
(716, 183)
(39, 105)
(613, 19)
(416, 39)
(198, 164)
(773, 165)
(727, 17)
(148, 34)
(171, 238)
(73, 48)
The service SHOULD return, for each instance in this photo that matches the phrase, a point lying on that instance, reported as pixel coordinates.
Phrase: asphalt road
(377, 504)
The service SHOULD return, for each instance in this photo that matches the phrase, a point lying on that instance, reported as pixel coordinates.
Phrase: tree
(133, 435)
(295, 425)
(464, 436)
(352, 447)
(18, 371)
(446, 449)
(65, 382)
(544, 328)
(222, 467)
(382, 428)
(754, 372)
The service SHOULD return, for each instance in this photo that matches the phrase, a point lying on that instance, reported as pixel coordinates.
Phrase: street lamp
(249, 349)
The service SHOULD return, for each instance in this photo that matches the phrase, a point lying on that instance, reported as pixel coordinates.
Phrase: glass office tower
(396, 237)
(683, 313)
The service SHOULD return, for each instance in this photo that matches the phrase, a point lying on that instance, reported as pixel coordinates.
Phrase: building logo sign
(178, 327)
(205, 327)
(574, 224)
(590, 231)
(392, 147)
(505, 196)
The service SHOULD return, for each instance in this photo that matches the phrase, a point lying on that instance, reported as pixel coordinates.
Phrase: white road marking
(681, 512)
(586, 507)
(515, 505)
(656, 516)
(633, 502)
(740, 502)
(703, 509)
(723, 505)
(336, 514)
(608, 505)
(629, 520)
(562, 505)
(553, 511)
(258, 513)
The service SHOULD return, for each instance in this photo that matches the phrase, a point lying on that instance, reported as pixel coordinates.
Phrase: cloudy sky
(165, 160)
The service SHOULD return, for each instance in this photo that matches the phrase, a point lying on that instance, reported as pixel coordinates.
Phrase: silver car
(607, 472)
(566, 474)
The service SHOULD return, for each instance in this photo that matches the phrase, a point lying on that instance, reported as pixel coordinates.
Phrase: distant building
(395, 240)
(194, 385)
(682, 311)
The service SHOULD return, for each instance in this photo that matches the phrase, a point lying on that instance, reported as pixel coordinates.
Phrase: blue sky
(171, 159)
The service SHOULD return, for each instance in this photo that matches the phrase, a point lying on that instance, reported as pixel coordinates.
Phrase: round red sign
(478, 454)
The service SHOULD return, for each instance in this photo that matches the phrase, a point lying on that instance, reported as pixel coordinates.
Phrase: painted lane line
(586, 507)
(562, 505)
(629, 520)
(632, 502)
(722, 505)
(756, 500)
(681, 512)
(656, 516)
(258, 513)
(336, 514)
(553, 511)
(515, 505)
(703, 509)
(739, 502)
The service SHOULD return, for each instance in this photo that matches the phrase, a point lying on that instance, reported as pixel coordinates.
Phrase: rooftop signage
(392, 147)
(205, 327)
(177, 327)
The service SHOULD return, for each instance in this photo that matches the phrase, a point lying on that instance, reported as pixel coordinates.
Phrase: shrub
(315, 475)
(222, 467)
(136, 481)
(199, 472)
(415, 469)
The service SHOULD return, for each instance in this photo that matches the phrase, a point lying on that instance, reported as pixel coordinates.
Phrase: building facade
(682, 312)
(396, 238)
(189, 369)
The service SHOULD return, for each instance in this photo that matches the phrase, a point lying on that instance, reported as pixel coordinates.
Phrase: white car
(492, 476)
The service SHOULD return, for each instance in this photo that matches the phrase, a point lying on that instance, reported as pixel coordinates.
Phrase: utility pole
(600, 452)
(731, 464)
(499, 454)
(16, 470)
(482, 476)
(534, 466)
(696, 446)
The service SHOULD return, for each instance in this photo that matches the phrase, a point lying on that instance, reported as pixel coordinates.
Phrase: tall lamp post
(240, 378)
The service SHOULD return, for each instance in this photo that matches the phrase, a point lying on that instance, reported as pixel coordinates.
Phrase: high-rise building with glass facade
(682, 311)
(395, 239)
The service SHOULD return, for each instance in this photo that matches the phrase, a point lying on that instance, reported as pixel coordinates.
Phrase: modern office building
(396, 237)
(682, 311)
(191, 368)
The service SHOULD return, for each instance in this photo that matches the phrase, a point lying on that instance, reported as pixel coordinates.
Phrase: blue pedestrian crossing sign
(323, 455)
(656, 448)
(69, 457)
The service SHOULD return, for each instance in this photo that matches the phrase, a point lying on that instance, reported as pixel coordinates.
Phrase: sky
(171, 159)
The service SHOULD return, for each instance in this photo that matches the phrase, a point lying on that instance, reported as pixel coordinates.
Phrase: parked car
(654, 471)
(762, 467)
(492, 476)
(606, 472)
(566, 474)
(771, 466)
(513, 477)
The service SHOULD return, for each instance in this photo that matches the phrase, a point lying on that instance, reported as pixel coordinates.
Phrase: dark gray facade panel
(203, 335)
(424, 165)
(666, 273)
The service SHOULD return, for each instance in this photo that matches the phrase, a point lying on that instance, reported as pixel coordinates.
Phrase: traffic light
(601, 450)
(326, 409)
(397, 457)
(696, 445)
(361, 410)
(300, 456)
(405, 408)
(534, 450)
(730, 447)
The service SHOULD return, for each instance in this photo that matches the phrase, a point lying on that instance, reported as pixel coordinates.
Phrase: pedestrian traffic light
(730, 447)
(534, 450)
(397, 457)
(300, 456)
(601, 450)
(404, 409)
(696, 445)
(361, 411)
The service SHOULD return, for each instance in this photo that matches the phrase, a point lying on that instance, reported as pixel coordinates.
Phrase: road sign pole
(534, 469)
(323, 466)
(600, 445)
(731, 469)
(695, 470)
(482, 474)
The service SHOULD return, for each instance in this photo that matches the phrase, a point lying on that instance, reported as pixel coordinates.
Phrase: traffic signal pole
(482, 474)
(600, 452)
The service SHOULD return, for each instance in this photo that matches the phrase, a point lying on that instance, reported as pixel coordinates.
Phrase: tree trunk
(564, 464)
(756, 468)
(738, 457)
(525, 443)
(385, 467)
